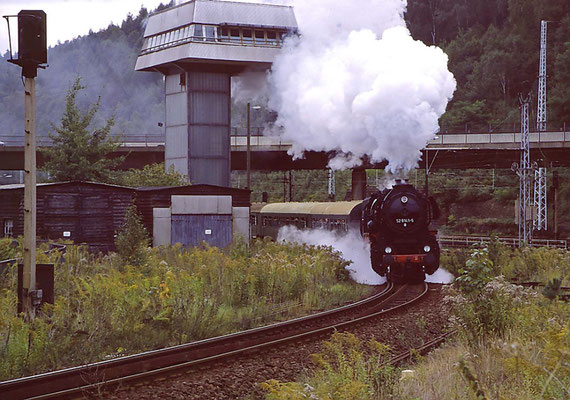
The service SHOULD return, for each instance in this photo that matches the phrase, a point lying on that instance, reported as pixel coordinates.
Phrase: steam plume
(357, 84)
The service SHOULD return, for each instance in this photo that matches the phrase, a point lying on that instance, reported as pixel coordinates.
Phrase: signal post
(32, 53)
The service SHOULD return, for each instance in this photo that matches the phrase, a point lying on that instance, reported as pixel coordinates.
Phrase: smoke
(440, 276)
(350, 245)
(355, 83)
(250, 87)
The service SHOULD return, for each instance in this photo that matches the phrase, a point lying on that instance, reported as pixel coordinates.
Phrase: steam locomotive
(395, 222)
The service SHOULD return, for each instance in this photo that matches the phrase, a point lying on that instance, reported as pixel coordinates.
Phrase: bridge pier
(358, 184)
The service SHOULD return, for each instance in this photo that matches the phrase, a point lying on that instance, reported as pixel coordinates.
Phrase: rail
(112, 373)
(469, 241)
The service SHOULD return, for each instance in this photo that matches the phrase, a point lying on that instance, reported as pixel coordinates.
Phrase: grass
(105, 308)
(512, 343)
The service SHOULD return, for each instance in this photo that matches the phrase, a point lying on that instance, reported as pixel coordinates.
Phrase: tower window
(260, 37)
(247, 35)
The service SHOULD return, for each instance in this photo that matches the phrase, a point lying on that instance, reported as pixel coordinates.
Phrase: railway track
(107, 375)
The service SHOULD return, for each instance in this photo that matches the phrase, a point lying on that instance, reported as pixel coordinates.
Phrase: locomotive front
(396, 222)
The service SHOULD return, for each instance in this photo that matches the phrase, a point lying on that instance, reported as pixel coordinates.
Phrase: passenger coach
(266, 219)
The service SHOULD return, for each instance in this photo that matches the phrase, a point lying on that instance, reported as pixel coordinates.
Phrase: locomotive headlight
(427, 249)
(388, 250)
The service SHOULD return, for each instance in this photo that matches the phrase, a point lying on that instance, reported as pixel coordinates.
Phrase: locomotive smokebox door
(32, 40)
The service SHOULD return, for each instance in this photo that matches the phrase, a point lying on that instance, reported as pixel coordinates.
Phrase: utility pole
(524, 172)
(540, 194)
(32, 52)
(248, 150)
(290, 185)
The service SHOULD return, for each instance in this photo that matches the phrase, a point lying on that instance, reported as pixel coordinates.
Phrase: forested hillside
(105, 61)
(493, 47)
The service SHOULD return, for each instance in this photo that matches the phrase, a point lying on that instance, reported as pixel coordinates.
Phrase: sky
(67, 19)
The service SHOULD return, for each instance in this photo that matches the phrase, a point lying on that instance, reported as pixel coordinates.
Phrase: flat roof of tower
(217, 12)
(169, 35)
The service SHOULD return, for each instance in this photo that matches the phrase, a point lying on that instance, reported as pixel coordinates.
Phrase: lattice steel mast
(541, 112)
(332, 184)
(541, 219)
(540, 200)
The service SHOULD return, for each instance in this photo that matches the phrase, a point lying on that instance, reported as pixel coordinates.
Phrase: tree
(132, 239)
(152, 175)
(77, 153)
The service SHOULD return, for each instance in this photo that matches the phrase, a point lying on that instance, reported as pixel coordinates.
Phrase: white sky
(67, 19)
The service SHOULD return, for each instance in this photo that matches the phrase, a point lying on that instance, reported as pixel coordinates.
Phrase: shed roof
(18, 186)
(314, 208)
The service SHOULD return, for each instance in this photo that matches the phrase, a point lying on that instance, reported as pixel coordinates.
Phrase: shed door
(191, 230)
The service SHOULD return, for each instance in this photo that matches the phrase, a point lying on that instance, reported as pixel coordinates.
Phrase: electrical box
(44, 283)
(32, 40)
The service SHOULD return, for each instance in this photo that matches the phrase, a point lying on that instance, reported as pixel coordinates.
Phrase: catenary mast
(540, 200)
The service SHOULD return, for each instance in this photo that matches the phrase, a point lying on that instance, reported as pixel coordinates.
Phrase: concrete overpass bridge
(447, 150)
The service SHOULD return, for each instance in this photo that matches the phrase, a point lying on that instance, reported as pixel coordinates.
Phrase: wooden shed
(91, 213)
(81, 211)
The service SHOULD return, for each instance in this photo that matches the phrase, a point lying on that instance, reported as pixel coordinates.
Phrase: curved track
(78, 381)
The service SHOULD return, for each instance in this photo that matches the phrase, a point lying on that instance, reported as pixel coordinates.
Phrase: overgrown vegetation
(345, 369)
(105, 308)
(512, 343)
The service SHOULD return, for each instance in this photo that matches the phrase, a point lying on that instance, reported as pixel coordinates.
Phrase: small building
(92, 213)
(195, 213)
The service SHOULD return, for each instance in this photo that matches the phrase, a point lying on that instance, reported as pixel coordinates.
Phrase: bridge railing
(141, 140)
(469, 241)
(475, 128)
(468, 132)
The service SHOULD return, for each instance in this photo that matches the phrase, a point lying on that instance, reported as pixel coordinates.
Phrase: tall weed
(345, 369)
(105, 308)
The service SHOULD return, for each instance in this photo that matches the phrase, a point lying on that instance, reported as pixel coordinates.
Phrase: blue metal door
(192, 230)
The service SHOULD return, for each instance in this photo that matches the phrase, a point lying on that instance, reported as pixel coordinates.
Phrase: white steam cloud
(350, 245)
(357, 84)
(440, 276)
